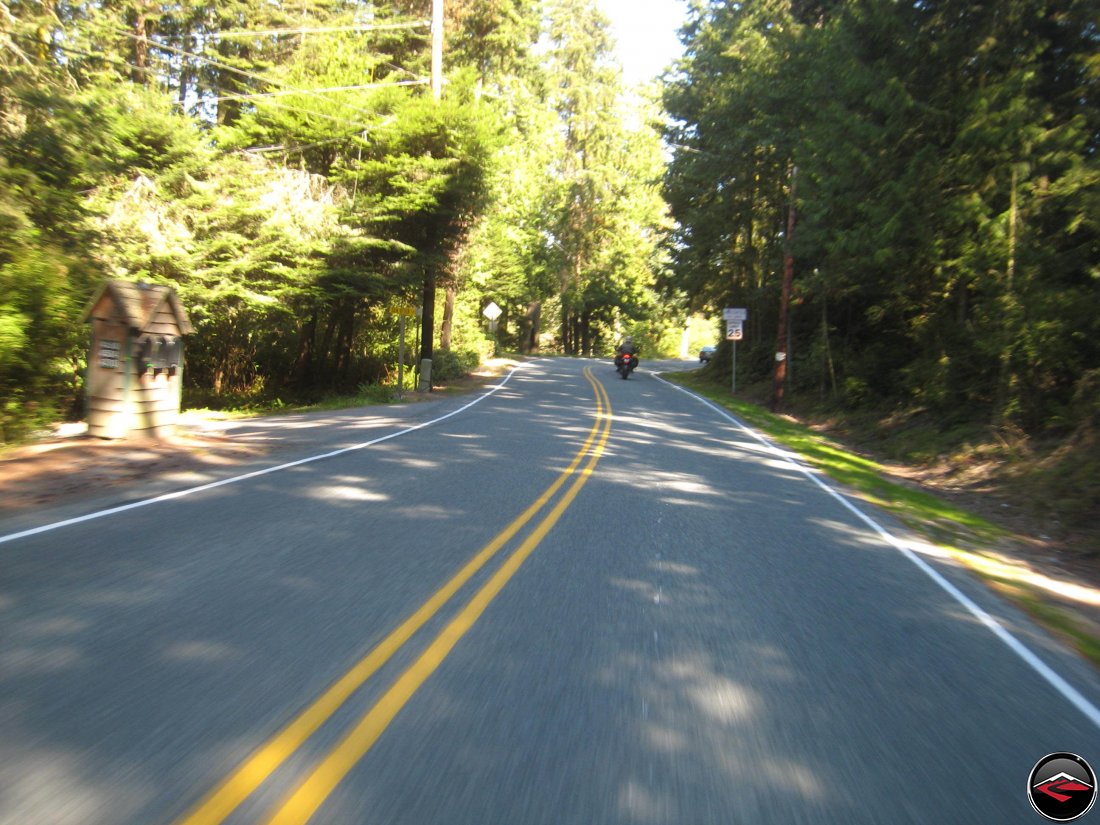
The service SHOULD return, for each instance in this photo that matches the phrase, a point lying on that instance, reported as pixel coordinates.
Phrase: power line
(226, 67)
(260, 150)
(397, 68)
(120, 62)
(117, 61)
(358, 126)
(418, 82)
(416, 24)
(287, 90)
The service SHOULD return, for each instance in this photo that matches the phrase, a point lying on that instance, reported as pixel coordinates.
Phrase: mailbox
(135, 364)
(159, 352)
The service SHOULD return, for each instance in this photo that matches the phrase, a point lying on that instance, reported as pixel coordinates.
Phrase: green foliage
(497, 38)
(946, 177)
(1086, 399)
(470, 329)
(607, 217)
(294, 187)
(451, 364)
(39, 344)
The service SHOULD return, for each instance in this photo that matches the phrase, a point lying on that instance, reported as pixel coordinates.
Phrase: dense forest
(922, 175)
(903, 194)
(296, 174)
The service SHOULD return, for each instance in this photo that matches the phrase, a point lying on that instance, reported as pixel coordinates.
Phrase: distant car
(706, 353)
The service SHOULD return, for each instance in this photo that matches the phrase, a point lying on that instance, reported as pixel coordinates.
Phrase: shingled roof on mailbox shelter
(138, 304)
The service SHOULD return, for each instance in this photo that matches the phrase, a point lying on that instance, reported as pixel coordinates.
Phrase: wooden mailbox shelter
(135, 364)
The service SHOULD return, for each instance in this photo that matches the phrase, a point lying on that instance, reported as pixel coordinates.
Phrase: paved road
(580, 600)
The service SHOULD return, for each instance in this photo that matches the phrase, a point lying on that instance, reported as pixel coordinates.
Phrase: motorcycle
(626, 363)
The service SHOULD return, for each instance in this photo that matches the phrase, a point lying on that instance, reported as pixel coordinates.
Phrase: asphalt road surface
(575, 600)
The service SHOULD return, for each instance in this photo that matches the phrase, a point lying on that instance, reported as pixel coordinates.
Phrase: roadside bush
(451, 364)
(370, 394)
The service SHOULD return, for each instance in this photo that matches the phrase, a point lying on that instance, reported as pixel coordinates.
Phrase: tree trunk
(533, 319)
(781, 354)
(345, 339)
(427, 320)
(1006, 383)
(185, 82)
(326, 344)
(302, 372)
(448, 318)
(829, 369)
(229, 108)
(139, 72)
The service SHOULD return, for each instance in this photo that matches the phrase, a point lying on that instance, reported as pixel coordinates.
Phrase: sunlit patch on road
(200, 651)
(344, 492)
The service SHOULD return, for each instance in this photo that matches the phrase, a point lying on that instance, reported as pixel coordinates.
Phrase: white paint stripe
(181, 493)
(1067, 690)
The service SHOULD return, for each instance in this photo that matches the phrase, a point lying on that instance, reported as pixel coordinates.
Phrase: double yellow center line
(311, 793)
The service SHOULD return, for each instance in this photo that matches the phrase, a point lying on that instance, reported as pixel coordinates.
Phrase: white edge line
(1075, 697)
(181, 493)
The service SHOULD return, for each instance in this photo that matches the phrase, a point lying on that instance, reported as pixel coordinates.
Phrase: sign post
(734, 317)
(493, 312)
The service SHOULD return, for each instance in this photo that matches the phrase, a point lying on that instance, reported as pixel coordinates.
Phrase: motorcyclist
(625, 348)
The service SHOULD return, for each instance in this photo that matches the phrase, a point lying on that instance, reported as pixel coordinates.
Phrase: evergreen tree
(946, 163)
(585, 92)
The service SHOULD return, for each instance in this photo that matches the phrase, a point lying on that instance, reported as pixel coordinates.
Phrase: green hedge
(449, 364)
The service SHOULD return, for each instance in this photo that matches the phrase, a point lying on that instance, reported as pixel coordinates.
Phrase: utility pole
(427, 322)
(781, 347)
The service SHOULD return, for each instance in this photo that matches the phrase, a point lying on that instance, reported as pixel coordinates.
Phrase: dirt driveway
(62, 470)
